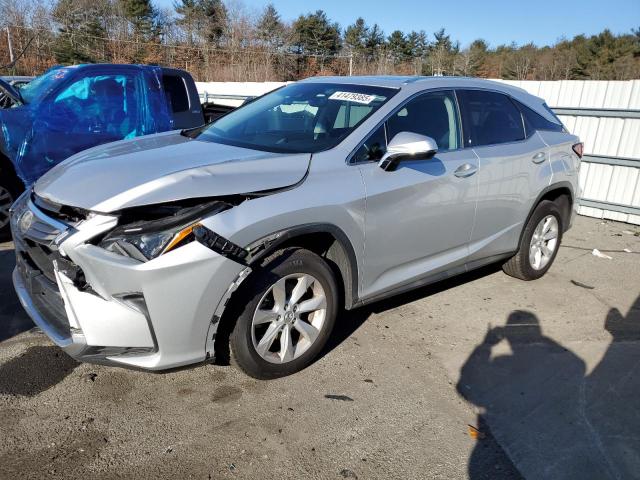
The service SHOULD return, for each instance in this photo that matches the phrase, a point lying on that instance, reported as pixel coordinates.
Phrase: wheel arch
(324, 239)
(561, 193)
(8, 168)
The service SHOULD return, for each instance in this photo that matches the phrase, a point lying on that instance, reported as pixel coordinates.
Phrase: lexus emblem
(25, 222)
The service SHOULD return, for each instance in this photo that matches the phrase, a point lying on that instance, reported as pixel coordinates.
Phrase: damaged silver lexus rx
(246, 237)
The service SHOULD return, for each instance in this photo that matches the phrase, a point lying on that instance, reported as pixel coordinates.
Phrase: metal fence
(606, 117)
(605, 114)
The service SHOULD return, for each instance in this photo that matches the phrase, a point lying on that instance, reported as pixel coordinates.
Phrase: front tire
(289, 310)
(10, 189)
(539, 243)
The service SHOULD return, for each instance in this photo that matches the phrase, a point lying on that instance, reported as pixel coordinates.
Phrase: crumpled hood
(163, 168)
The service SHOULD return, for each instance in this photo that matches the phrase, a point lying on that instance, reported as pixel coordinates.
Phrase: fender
(344, 256)
(545, 191)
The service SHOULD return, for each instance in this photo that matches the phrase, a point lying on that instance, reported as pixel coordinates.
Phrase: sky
(542, 22)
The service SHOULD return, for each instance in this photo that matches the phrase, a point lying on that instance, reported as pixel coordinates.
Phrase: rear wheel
(290, 306)
(539, 243)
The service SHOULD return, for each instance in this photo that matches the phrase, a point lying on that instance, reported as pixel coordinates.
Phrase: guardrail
(206, 97)
(617, 199)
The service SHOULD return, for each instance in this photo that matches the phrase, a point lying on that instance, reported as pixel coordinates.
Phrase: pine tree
(81, 31)
(355, 36)
(374, 41)
(270, 29)
(398, 46)
(214, 26)
(316, 35)
(142, 15)
(188, 17)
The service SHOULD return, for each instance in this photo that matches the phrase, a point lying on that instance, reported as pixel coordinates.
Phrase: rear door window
(176, 92)
(489, 118)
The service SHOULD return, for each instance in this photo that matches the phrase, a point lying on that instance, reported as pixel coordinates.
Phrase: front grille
(43, 232)
(41, 257)
(45, 296)
(36, 252)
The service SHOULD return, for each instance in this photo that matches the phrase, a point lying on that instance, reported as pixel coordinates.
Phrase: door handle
(465, 170)
(539, 157)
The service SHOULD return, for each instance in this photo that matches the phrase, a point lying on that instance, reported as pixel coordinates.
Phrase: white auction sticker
(353, 97)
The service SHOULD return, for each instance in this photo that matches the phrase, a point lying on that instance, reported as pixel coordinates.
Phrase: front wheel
(9, 192)
(539, 243)
(290, 307)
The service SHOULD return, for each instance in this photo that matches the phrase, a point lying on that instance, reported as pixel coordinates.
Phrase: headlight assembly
(147, 245)
(148, 239)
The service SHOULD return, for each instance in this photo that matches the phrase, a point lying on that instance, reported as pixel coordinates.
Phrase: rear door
(419, 217)
(513, 168)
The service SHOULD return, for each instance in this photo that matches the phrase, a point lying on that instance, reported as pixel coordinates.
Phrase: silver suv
(255, 231)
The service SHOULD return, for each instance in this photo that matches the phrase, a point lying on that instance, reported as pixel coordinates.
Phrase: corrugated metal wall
(606, 116)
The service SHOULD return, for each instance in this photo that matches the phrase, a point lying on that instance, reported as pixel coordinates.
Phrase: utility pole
(10, 46)
(351, 64)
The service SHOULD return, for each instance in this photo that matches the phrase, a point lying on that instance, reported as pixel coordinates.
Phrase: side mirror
(407, 146)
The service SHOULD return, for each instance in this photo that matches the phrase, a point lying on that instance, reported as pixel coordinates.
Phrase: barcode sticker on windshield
(353, 97)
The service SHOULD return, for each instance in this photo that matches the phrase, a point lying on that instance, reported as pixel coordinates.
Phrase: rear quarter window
(534, 121)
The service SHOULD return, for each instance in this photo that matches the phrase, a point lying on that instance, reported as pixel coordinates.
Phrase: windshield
(298, 118)
(40, 86)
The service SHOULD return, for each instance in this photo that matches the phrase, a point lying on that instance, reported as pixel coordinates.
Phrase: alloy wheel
(543, 242)
(289, 318)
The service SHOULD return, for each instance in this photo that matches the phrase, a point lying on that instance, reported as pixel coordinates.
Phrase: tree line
(224, 40)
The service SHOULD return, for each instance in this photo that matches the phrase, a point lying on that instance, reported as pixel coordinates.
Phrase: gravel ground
(482, 376)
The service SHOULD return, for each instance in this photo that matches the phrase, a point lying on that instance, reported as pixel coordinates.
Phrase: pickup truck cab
(69, 109)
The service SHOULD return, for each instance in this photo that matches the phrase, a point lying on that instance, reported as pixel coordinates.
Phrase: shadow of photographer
(550, 417)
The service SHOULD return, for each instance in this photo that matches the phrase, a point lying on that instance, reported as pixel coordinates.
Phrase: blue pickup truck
(70, 109)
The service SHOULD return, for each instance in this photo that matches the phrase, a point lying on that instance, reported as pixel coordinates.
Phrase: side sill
(433, 278)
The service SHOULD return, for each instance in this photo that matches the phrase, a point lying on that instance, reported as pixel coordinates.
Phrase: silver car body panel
(162, 168)
(406, 227)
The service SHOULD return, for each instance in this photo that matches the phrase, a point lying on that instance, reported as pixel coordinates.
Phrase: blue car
(70, 109)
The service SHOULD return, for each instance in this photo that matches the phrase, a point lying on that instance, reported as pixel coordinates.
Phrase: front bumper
(47, 315)
(153, 315)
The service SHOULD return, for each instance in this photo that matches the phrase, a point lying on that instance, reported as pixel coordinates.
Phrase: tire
(521, 265)
(262, 316)
(10, 190)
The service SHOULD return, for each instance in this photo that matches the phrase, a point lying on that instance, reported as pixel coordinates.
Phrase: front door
(419, 218)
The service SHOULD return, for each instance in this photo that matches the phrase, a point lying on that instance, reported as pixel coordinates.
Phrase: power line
(184, 47)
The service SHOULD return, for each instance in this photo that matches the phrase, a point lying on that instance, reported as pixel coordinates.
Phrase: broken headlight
(147, 245)
(148, 239)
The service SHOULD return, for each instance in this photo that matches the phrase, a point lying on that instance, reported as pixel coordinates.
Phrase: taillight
(578, 148)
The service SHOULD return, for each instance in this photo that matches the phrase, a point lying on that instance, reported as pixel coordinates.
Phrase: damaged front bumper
(102, 307)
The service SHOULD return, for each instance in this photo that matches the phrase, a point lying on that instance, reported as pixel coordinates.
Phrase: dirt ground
(482, 377)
